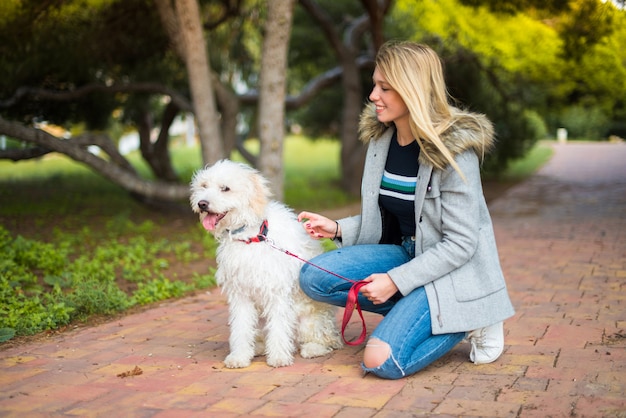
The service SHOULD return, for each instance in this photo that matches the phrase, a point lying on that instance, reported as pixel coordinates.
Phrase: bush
(44, 286)
(536, 126)
(584, 122)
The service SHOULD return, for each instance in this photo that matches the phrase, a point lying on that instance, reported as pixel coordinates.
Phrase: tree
(351, 52)
(69, 64)
(184, 28)
(273, 91)
(512, 65)
(515, 6)
(98, 66)
(121, 48)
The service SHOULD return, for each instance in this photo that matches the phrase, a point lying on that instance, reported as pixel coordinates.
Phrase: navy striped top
(397, 188)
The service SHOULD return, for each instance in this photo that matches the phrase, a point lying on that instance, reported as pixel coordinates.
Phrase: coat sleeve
(349, 230)
(448, 233)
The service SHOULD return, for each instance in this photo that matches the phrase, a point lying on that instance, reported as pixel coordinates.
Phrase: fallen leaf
(134, 372)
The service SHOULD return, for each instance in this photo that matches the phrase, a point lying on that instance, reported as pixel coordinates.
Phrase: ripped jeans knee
(379, 360)
(403, 343)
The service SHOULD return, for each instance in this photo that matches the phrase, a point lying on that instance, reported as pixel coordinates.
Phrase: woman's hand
(318, 226)
(379, 289)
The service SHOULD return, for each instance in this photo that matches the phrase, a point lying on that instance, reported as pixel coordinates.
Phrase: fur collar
(467, 131)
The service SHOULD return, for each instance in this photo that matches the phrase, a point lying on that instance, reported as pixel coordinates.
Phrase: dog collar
(260, 237)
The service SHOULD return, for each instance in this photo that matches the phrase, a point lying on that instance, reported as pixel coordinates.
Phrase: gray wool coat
(456, 256)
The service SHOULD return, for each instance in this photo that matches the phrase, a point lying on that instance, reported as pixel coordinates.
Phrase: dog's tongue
(209, 221)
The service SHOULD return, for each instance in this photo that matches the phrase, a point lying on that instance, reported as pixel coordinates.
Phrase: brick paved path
(562, 238)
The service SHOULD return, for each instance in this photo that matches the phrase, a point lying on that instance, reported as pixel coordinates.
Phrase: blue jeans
(406, 323)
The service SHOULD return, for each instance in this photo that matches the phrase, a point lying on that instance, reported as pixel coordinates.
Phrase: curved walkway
(562, 239)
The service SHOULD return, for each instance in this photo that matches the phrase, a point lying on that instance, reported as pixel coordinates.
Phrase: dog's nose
(203, 205)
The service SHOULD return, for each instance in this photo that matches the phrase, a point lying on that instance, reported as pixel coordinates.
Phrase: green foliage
(520, 168)
(513, 6)
(536, 125)
(310, 55)
(588, 24)
(584, 122)
(312, 172)
(46, 285)
(159, 289)
(6, 334)
(203, 281)
(23, 304)
(518, 44)
(488, 68)
(518, 67)
(62, 45)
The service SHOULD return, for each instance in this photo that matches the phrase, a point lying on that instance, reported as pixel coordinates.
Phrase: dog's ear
(260, 195)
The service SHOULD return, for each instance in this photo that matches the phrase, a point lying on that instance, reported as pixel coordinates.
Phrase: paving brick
(203, 386)
(530, 384)
(544, 404)
(570, 336)
(281, 409)
(235, 406)
(477, 408)
(492, 383)
(181, 413)
(301, 391)
(600, 407)
(13, 376)
(555, 373)
(23, 403)
(359, 392)
(351, 412)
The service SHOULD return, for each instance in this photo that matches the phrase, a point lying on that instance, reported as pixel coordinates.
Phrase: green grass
(521, 168)
(311, 171)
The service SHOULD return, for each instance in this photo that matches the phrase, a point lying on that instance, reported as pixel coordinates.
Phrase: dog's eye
(225, 189)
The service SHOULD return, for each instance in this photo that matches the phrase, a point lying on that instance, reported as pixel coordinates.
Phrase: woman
(424, 241)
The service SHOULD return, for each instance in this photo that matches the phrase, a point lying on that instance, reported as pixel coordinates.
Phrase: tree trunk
(203, 96)
(156, 154)
(352, 150)
(346, 48)
(272, 92)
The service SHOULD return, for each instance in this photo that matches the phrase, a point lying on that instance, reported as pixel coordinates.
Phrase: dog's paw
(311, 350)
(234, 361)
(279, 361)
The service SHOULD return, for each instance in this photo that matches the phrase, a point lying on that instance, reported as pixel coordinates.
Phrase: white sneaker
(487, 343)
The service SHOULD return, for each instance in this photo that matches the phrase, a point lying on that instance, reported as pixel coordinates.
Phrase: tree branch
(18, 154)
(129, 180)
(68, 95)
(313, 87)
(105, 144)
(325, 23)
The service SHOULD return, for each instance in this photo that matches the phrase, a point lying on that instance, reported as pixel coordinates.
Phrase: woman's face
(389, 105)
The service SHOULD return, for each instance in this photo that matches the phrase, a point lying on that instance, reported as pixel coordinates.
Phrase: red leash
(353, 294)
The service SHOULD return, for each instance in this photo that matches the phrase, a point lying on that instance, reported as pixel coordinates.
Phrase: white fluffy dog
(260, 281)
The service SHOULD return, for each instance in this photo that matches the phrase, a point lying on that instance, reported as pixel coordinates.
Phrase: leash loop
(351, 303)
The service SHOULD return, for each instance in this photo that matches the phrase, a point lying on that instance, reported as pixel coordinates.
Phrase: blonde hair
(415, 71)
